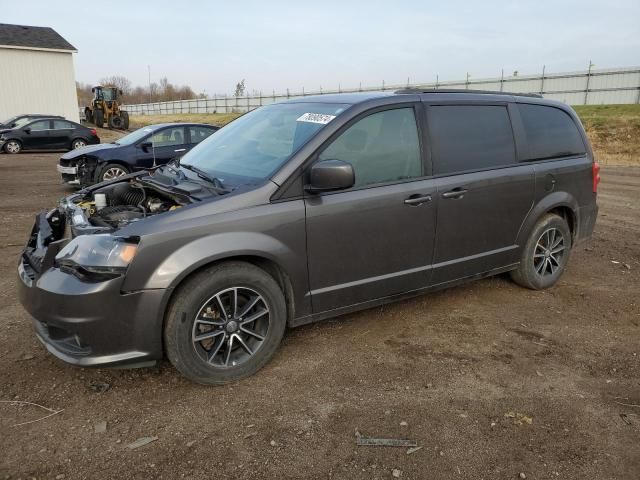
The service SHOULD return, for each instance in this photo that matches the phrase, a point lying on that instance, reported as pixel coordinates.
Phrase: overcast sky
(277, 45)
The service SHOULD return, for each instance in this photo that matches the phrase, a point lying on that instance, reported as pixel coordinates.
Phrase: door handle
(180, 150)
(417, 200)
(455, 193)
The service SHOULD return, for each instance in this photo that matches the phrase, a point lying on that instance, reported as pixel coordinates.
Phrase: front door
(484, 195)
(39, 135)
(375, 239)
(166, 144)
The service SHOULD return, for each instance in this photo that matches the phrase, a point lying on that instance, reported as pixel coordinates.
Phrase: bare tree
(240, 88)
(118, 81)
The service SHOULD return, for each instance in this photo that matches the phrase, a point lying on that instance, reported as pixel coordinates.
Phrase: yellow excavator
(106, 107)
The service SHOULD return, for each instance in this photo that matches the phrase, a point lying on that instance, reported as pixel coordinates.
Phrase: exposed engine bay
(118, 204)
(126, 202)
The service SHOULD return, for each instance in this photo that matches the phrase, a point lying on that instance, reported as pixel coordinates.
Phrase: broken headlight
(101, 255)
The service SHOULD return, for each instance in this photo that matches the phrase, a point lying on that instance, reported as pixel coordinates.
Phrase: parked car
(19, 120)
(47, 134)
(142, 149)
(305, 210)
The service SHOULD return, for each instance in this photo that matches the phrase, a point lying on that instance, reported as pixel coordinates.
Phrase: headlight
(98, 254)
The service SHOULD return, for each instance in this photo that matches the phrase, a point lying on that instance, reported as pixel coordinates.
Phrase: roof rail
(461, 90)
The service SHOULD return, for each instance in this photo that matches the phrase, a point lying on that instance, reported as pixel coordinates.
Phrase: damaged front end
(100, 210)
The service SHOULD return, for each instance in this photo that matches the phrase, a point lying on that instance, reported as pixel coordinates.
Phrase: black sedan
(19, 120)
(47, 134)
(144, 148)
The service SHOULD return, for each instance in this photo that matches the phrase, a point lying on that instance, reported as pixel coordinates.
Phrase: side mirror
(26, 129)
(145, 146)
(328, 175)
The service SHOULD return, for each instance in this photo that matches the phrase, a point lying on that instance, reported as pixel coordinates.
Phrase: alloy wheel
(112, 173)
(549, 251)
(79, 144)
(230, 327)
(12, 147)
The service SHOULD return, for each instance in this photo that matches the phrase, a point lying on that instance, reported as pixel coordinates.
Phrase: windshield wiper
(204, 175)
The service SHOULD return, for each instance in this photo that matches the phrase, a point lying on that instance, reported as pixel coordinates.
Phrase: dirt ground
(493, 381)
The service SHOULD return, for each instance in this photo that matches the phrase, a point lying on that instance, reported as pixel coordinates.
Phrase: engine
(119, 204)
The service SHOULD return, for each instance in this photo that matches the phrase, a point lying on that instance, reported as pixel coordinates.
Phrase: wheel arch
(561, 203)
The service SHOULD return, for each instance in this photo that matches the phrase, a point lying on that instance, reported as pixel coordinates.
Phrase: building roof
(32, 38)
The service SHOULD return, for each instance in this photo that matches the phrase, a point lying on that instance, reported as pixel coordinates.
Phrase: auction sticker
(321, 118)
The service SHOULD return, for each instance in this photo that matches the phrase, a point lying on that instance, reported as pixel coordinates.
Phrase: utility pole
(149, 72)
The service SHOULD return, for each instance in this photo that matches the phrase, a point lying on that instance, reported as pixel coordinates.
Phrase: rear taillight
(595, 172)
(93, 132)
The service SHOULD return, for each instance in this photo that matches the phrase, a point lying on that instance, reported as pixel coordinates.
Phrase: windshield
(22, 121)
(255, 145)
(134, 137)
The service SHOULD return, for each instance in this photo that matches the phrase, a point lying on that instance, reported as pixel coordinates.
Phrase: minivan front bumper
(92, 324)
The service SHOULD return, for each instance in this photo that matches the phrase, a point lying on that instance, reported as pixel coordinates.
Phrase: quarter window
(550, 132)
(382, 147)
(168, 137)
(470, 137)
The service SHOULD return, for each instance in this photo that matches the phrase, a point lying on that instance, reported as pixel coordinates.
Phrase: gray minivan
(304, 210)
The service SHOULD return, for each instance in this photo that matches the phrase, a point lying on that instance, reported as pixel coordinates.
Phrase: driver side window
(168, 137)
(382, 147)
(39, 126)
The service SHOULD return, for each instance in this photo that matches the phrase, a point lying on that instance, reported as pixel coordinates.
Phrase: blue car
(142, 149)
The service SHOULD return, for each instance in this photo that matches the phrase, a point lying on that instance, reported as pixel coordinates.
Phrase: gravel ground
(491, 380)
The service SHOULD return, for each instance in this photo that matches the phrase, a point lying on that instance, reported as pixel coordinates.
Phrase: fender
(202, 251)
(549, 202)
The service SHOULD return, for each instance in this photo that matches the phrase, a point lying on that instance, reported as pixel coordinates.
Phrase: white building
(36, 72)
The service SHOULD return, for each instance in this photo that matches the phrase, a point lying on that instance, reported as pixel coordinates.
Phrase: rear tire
(77, 143)
(98, 116)
(87, 116)
(240, 336)
(125, 120)
(13, 146)
(545, 255)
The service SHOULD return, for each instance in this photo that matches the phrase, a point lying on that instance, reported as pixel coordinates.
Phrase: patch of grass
(219, 119)
(614, 132)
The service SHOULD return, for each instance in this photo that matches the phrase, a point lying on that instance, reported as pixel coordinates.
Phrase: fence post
(383, 85)
(226, 103)
(502, 80)
(466, 82)
(586, 90)
(437, 80)
(542, 80)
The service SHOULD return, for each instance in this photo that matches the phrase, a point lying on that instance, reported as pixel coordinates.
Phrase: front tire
(13, 146)
(98, 118)
(125, 119)
(111, 171)
(225, 323)
(545, 255)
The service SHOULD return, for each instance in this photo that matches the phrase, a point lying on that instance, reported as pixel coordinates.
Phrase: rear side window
(62, 125)
(470, 137)
(550, 132)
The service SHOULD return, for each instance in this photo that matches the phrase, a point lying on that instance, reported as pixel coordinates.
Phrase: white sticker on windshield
(321, 118)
